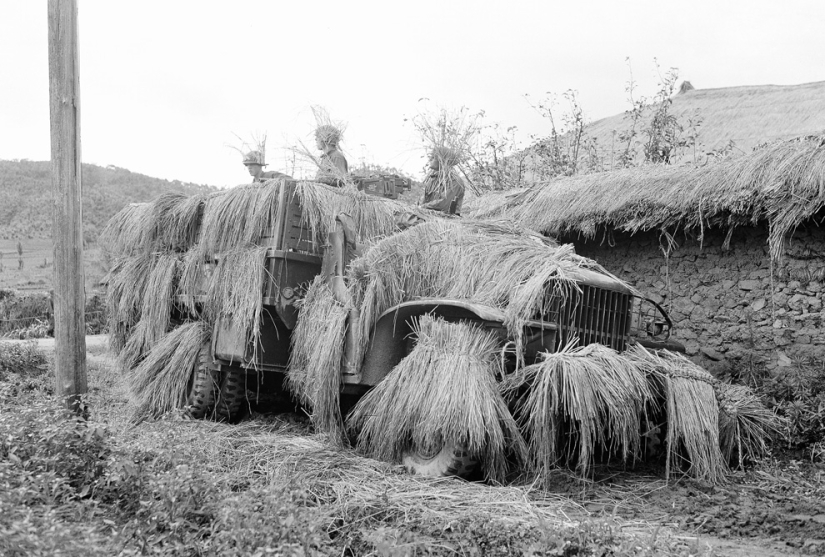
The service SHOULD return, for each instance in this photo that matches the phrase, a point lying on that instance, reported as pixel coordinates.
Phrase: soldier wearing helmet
(254, 162)
(332, 165)
(443, 187)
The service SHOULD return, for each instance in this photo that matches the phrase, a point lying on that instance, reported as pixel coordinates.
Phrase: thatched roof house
(711, 243)
(782, 184)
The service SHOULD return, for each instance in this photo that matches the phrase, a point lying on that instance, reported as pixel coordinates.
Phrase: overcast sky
(166, 85)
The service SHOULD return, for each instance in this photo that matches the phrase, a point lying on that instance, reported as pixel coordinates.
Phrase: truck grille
(594, 315)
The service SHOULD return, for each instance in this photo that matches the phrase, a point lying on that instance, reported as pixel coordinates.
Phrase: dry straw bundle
(139, 303)
(781, 183)
(576, 402)
(127, 280)
(321, 204)
(691, 409)
(314, 373)
(238, 217)
(170, 222)
(124, 233)
(175, 221)
(745, 425)
(236, 290)
(161, 382)
(443, 393)
(515, 271)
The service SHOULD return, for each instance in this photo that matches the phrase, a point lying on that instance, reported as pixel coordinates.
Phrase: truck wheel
(232, 395)
(451, 460)
(204, 386)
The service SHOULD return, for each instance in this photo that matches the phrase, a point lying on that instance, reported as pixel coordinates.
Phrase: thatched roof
(783, 184)
(746, 115)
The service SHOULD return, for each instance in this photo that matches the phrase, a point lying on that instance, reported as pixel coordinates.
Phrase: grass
(38, 265)
(268, 486)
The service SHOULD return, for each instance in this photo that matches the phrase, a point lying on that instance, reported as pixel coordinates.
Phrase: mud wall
(727, 303)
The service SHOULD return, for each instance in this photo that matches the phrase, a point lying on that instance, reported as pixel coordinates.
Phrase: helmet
(253, 157)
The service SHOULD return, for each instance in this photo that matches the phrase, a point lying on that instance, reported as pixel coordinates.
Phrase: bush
(797, 394)
(21, 358)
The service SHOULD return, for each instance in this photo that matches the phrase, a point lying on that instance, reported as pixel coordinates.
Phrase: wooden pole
(67, 228)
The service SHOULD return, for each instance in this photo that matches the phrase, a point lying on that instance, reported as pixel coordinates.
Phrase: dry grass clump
(444, 392)
(503, 267)
(124, 233)
(577, 402)
(160, 382)
(238, 217)
(127, 280)
(175, 221)
(321, 204)
(783, 184)
(236, 290)
(745, 425)
(691, 409)
(314, 373)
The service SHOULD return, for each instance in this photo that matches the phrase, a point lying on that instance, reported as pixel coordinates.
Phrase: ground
(38, 265)
(269, 486)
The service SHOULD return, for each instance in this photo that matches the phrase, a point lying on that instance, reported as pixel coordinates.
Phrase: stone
(691, 348)
(783, 360)
(777, 324)
(711, 354)
(656, 297)
(728, 284)
(796, 299)
(815, 286)
(794, 285)
(814, 303)
(749, 284)
(758, 304)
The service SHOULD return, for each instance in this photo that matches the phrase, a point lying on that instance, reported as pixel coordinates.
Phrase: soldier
(254, 162)
(332, 165)
(443, 187)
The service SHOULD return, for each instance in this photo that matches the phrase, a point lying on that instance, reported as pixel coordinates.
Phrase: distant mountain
(747, 116)
(26, 196)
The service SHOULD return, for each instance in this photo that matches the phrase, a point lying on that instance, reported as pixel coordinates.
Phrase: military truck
(602, 310)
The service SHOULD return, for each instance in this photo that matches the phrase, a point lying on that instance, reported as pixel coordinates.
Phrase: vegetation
(26, 187)
(30, 315)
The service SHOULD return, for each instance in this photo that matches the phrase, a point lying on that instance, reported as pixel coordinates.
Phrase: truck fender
(390, 337)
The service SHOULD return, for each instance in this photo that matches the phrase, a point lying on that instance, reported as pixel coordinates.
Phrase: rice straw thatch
(314, 373)
(576, 402)
(321, 204)
(236, 290)
(518, 272)
(745, 425)
(127, 279)
(124, 234)
(783, 184)
(238, 217)
(160, 383)
(443, 393)
(692, 412)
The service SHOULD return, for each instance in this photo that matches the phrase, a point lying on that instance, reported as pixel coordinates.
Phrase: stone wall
(725, 304)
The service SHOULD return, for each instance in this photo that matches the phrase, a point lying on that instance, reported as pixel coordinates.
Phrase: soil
(775, 508)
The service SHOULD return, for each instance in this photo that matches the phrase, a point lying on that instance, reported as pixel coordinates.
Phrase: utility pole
(67, 223)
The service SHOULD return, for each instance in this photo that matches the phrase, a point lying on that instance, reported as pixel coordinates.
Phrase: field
(38, 265)
(270, 486)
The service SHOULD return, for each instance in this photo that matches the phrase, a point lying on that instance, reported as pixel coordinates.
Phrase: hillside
(746, 115)
(25, 191)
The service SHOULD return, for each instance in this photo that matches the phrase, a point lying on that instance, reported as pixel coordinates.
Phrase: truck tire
(451, 460)
(204, 386)
(232, 395)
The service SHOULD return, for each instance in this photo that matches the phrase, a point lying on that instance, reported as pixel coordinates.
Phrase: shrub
(21, 358)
